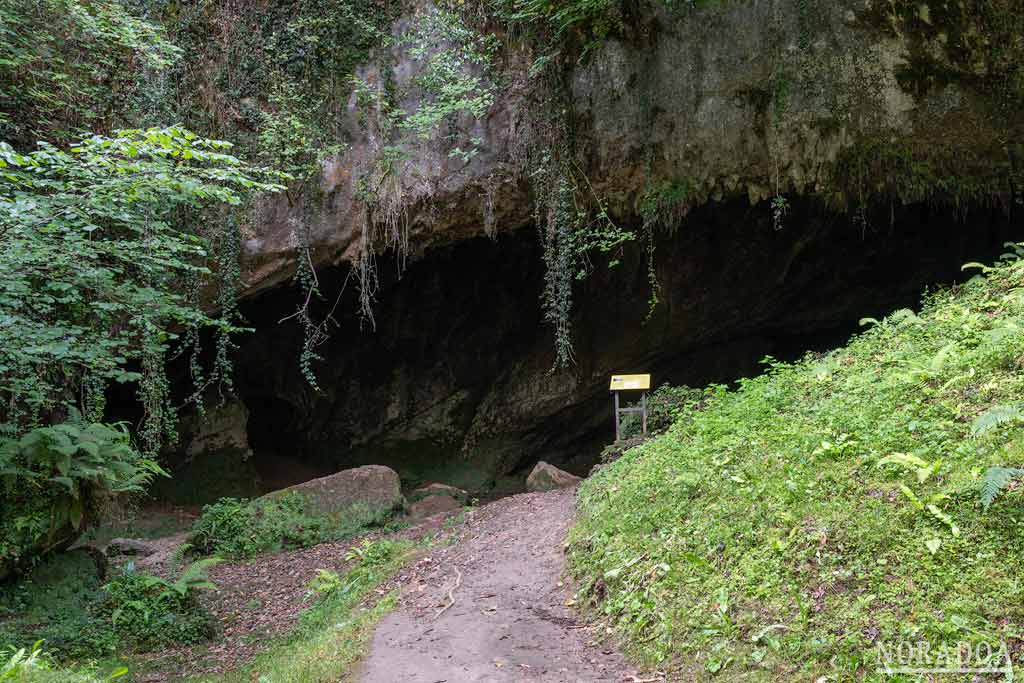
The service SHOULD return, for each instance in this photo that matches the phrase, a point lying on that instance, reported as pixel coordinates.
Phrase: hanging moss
(886, 170)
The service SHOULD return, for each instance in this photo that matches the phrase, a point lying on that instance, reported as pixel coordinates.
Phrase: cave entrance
(279, 448)
(454, 383)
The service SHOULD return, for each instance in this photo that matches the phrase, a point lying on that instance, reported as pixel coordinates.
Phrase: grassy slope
(762, 539)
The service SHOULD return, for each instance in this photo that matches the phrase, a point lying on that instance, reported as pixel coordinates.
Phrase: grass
(57, 603)
(332, 635)
(35, 665)
(792, 527)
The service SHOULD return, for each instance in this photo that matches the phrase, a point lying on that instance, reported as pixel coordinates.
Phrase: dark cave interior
(453, 382)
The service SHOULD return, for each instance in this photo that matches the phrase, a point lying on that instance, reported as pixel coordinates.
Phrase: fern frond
(905, 460)
(995, 480)
(995, 416)
(912, 497)
(903, 315)
(938, 361)
(195, 576)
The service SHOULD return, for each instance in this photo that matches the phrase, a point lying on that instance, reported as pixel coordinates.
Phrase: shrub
(150, 612)
(668, 404)
(665, 406)
(56, 602)
(234, 527)
(368, 559)
(56, 481)
(33, 665)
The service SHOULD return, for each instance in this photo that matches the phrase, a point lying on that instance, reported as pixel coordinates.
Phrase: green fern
(995, 416)
(995, 480)
(195, 577)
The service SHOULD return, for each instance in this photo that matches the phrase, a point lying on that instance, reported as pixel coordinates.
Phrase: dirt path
(509, 620)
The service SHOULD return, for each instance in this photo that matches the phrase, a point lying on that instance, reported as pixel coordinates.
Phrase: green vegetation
(234, 527)
(149, 612)
(872, 171)
(782, 530)
(96, 249)
(95, 252)
(68, 66)
(64, 603)
(34, 665)
(56, 481)
(574, 226)
(57, 603)
(332, 635)
(560, 23)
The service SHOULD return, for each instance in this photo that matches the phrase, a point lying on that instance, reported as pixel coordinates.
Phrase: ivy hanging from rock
(94, 256)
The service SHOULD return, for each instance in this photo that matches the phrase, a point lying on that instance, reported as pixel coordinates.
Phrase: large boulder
(547, 477)
(374, 486)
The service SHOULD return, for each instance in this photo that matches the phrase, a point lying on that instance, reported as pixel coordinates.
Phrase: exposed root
(451, 593)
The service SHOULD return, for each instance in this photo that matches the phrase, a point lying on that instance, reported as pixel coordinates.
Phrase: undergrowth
(235, 527)
(35, 665)
(791, 527)
(63, 612)
(332, 634)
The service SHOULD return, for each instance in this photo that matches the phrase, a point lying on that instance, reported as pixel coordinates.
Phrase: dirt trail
(509, 620)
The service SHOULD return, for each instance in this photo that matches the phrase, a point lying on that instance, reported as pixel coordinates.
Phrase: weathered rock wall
(890, 129)
(735, 98)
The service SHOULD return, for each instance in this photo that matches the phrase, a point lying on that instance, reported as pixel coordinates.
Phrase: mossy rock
(374, 486)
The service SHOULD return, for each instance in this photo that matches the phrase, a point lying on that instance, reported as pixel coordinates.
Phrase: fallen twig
(451, 593)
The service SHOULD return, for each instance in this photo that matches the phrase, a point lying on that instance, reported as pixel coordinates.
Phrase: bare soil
(496, 606)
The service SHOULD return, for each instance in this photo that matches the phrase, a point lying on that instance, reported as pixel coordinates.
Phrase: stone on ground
(547, 477)
(433, 505)
(375, 486)
(436, 489)
(130, 546)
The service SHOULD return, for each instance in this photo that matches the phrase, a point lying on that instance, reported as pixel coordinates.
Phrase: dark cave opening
(454, 384)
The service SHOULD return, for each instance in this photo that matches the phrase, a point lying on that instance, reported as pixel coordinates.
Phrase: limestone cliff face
(737, 99)
(882, 123)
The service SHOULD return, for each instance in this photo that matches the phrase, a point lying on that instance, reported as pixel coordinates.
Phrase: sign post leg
(618, 435)
(643, 404)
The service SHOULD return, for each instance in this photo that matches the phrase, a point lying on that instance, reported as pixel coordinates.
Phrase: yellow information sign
(631, 382)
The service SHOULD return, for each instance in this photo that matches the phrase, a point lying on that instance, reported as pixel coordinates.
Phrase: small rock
(547, 477)
(439, 490)
(433, 505)
(129, 546)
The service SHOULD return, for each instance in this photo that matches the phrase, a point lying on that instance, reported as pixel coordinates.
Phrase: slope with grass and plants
(333, 633)
(789, 527)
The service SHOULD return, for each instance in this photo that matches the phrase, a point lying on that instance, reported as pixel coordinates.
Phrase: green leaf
(912, 497)
(995, 480)
(69, 483)
(75, 513)
(995, 416)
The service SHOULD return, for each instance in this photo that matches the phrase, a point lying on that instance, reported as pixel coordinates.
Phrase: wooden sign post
(630, 383)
